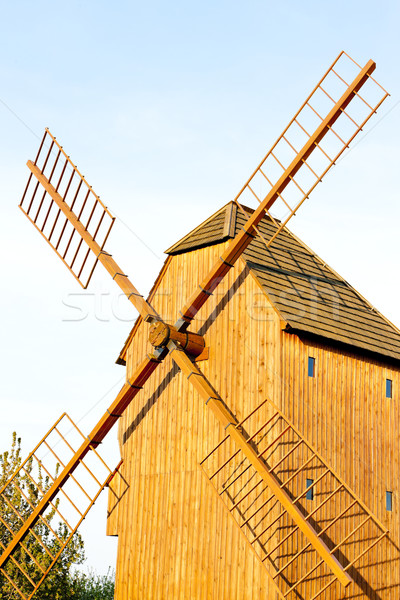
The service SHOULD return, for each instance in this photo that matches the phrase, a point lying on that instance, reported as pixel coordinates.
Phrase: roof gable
(308, 294)
(216, 229)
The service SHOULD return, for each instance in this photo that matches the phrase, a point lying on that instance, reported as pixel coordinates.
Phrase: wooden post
(161, 333)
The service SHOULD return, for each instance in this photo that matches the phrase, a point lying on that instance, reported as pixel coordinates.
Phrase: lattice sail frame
(69, 507)
(40, 208)
(274, 537)
(284, 170)
(326, 152)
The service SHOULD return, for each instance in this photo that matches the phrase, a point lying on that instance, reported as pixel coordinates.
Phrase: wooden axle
(161, 334)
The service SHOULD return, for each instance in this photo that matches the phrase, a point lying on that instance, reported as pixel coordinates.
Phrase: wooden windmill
(225, 489)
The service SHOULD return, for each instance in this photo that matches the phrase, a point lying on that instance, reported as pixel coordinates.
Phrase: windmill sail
(279, 542)
(321, 130)
(68, 233)
(248, 469)
(51, 486)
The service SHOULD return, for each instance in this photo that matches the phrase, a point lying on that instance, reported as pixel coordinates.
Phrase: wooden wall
(344, 413)
(176, 539)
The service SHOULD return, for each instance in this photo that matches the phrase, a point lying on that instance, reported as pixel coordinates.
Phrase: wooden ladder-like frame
(279, 542)
(31, 484)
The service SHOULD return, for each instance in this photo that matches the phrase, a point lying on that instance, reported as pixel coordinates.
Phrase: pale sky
(167, 108)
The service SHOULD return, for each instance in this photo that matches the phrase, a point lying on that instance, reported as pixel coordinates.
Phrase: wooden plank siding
(176, 538)
(343, 412)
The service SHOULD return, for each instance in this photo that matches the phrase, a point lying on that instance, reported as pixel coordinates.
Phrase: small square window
(311, 366)
(388, 388)
(310, 489)
(389, 498)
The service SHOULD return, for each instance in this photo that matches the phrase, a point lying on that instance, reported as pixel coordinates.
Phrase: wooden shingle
(310, 297)
(217, 228)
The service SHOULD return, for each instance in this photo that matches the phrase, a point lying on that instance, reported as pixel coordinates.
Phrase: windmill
(245, 466)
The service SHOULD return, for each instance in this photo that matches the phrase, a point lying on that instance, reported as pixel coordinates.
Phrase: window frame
(311, 366)
(310, 489)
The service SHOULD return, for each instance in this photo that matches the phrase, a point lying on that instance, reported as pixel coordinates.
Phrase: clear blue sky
(167, 107)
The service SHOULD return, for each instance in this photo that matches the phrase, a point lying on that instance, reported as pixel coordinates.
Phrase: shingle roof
(308, 294)
(217, 228)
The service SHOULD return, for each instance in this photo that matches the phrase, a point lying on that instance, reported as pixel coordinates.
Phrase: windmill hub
(162, 333)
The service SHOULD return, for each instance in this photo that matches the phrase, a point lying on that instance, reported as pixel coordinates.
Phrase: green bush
(61, 583)
(92, 586)
(16, 502)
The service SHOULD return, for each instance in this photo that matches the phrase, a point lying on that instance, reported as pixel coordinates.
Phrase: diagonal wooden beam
(112, 414)
(228, 421)
(245, 236)
(141, 305)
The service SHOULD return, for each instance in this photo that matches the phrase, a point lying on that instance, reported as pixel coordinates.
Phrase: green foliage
(93, 586)
(16, 503)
